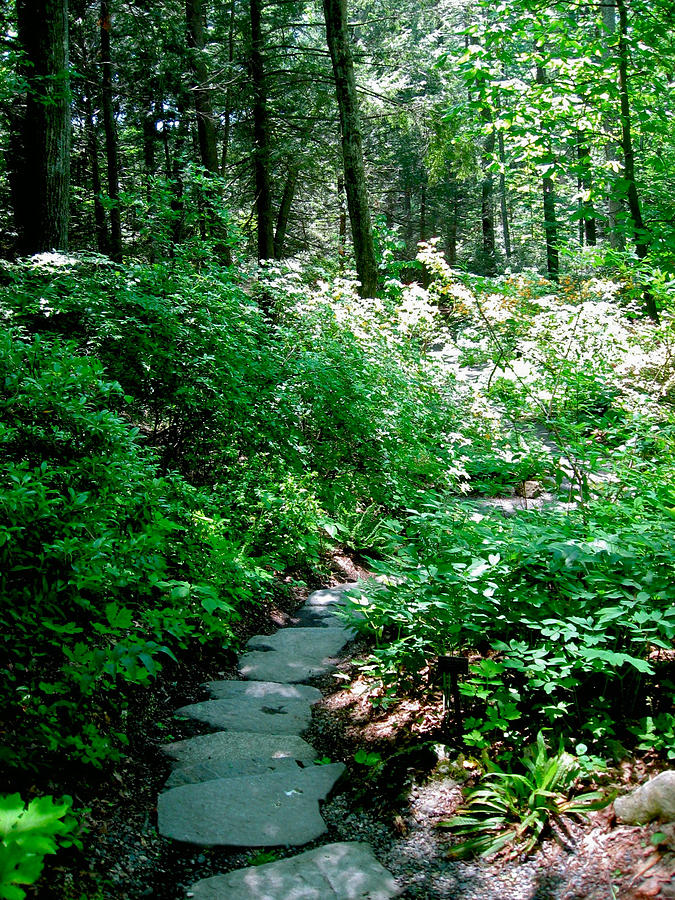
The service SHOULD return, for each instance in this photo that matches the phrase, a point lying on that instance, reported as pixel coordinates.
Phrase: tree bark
(487, 216)
(615, 210)
(206, 132)
(285, 211)
(506, 231)
(261, 152)
(228, 111)
(587, 221)
(423, 212)
(342, 223)
(407, 216)
(640, 232)
(335, 13)
(100, 225)
(550, 229)
(111, 149)
(42, 188)
(550, 221)
(451, 234)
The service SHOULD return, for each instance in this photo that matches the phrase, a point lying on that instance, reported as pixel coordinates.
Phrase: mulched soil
(396, 805)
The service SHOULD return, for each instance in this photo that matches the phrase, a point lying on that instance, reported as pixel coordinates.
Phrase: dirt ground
(396, 802)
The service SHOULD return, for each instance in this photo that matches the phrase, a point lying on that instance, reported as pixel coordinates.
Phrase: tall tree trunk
(335, 13)
(586, 206)
(407, 216)
(342, 222)
(550, 229)
(100, 224)
(615, 230)
(110, 136)
(228, 93)
(423, 212)
(208, 149)
(149, 137)
(206, 131)
(42, 188)
(487, 216)
(550, 221)
(640, 232)
(451, 235)
(261, 152)
(506, 231)
(285, 211)
(178, 228)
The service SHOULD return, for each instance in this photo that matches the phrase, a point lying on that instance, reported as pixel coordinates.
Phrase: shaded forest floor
(395, 805)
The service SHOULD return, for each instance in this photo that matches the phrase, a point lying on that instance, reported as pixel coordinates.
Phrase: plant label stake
(449, 668)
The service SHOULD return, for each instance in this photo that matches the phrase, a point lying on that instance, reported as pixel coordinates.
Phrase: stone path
(254, 782)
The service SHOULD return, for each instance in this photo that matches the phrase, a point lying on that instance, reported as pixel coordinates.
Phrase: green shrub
(90, 538)
(28, 833)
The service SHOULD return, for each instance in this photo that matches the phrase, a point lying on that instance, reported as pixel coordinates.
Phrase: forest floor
(396, 805)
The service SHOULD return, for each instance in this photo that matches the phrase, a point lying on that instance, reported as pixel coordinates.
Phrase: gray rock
(279, 809)
(263, 665)
(653, 800)
(530, 489)
(237, 745)
(346, 871)
(318, 617)
(222, 768)
(263, 690)
(292, 654)
(330, 596)
(248, 714)
(307, 642)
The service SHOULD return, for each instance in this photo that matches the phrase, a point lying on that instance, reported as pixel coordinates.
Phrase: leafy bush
(568, 611)
(253, 439)
(27, 834)
(93, 593)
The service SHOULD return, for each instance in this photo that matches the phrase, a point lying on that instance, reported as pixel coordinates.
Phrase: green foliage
(518, 808)
(28, 833)
(93, 594)
(121, 545)
(568, 610)
(365, 758)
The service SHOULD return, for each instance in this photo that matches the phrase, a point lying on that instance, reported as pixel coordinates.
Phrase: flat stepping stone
(261, 665)
(345, 871)
(292, 654)
(307, 642)
(237, 745)
(279, 809)
(317, 617)
(222, 768)
(265, 716)
(328, 597)
(263, 690)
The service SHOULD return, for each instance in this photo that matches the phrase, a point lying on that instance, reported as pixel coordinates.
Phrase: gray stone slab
(307, 642)
(236, 745)
(222, 768)
(249, 714)
(317, 617)
(345, 871)
(264, 665)
(330, 596)
(279, 809)
(263, 690)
